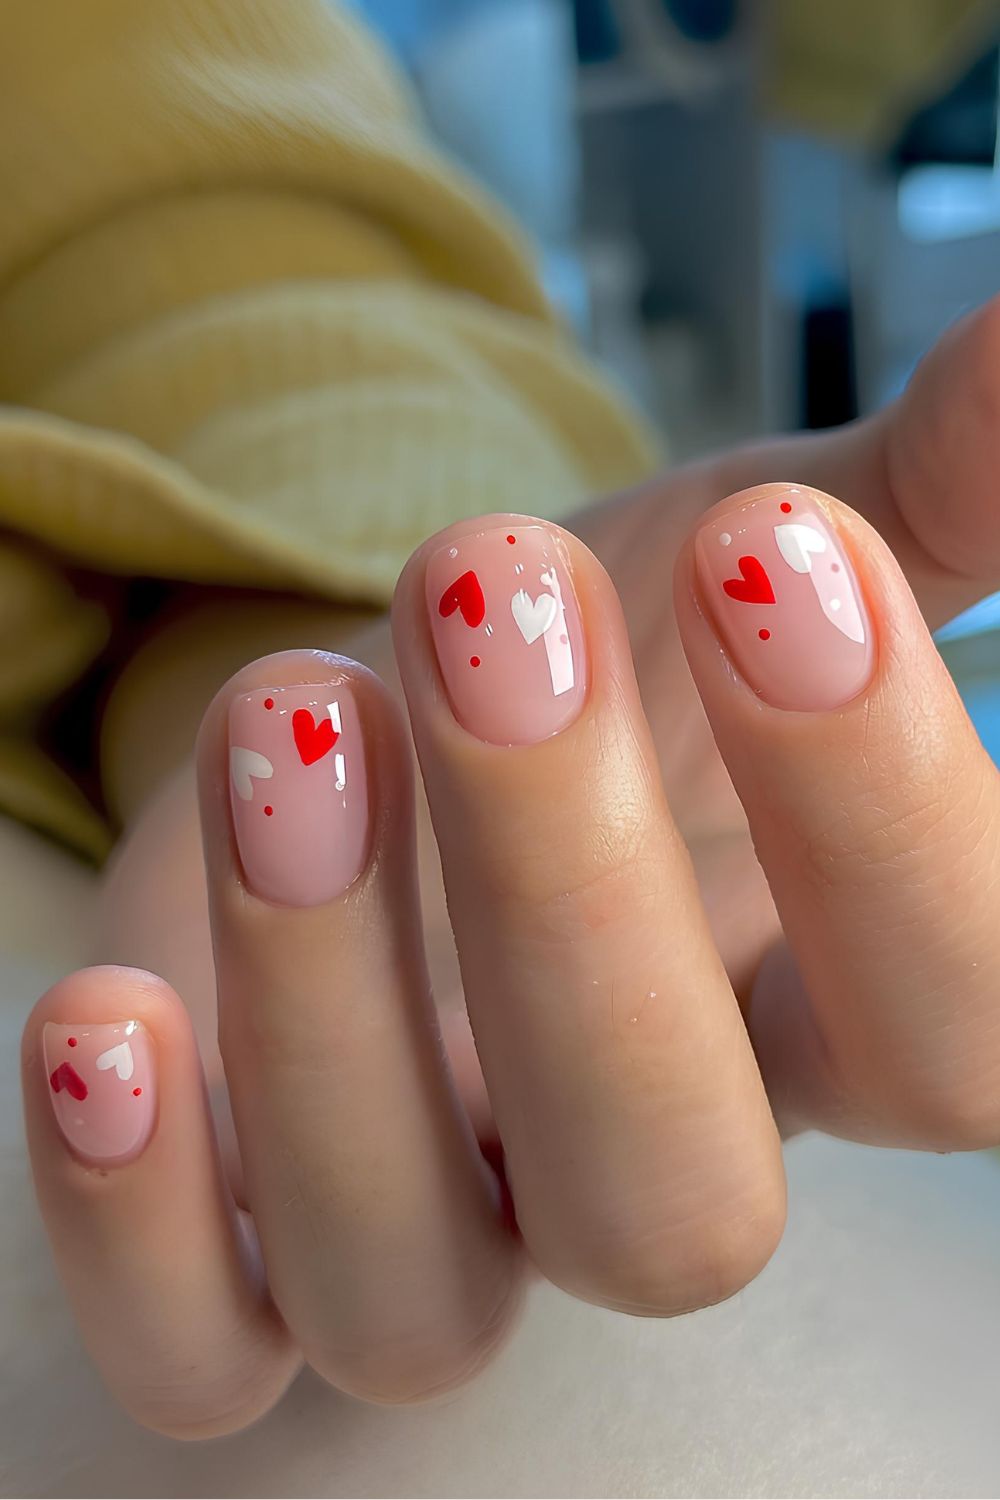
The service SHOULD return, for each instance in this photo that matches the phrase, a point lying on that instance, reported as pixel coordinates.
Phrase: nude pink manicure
(299, 791)
(785, 600)
(508, 633)
(102, 1083)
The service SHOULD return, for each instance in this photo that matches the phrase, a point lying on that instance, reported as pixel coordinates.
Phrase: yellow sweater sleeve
(253, 329)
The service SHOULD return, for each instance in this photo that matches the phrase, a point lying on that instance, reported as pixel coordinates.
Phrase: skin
(811, 899)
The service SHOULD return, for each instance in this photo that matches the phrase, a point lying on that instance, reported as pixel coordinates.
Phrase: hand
(641, 1166)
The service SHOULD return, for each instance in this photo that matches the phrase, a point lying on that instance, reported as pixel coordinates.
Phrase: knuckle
(396, 1382)
(981, 337)
(192, 1414)
(402, 1377)
(596, 892)
(682, 1269)
(873, 842)
(943, 1097)
(599, 858)
(209, 1390)
(873, 851)
(416, 1367)
(956, 1117)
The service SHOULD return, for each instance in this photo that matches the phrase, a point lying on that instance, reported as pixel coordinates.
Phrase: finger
(922, 471)
(164, 1280)
(638, 1143)
(942, 449)
(874, 811)
(380, 1221)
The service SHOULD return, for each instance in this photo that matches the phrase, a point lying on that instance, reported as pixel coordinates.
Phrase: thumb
(942, 450)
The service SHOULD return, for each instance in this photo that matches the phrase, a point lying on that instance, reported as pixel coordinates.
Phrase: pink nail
(102, 1083)
(299, 791)
(508, 633)
(785, 600)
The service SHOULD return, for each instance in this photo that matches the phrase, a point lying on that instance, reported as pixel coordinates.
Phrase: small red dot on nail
(71, 1041)
(835, 568)
(137, 1092)
(785, 506)
(765, 635)
(474, 661)
(269, 812)
(268, 702)
(512, 540)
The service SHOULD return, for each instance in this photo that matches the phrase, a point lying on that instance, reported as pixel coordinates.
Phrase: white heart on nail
(797, 543)
(533, 616)
(120, 1058)
(246, 765)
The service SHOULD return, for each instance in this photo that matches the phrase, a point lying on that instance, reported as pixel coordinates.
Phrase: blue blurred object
(497, 81)
(409, 25)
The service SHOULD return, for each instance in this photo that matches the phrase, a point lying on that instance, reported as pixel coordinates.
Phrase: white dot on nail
(452, 551)
(725, 538)
(834, 603)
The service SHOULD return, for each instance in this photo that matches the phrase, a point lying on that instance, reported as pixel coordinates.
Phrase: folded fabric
(252, 330)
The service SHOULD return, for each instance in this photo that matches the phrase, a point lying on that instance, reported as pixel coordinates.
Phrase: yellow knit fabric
(252, 330)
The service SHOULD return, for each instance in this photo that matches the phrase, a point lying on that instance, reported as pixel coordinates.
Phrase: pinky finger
(161, 1269)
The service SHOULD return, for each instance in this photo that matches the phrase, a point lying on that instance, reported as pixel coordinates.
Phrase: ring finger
(379, 1220)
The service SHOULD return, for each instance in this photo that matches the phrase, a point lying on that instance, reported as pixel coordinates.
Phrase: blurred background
(757, 213)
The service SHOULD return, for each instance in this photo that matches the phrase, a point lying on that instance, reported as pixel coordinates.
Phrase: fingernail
(299, 791)
(102, 1083)
(785, 600)
(508, 633)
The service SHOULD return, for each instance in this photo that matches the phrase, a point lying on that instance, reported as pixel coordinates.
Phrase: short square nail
(299, 791)
(102, 1083)
(508, 633)
(785, 601)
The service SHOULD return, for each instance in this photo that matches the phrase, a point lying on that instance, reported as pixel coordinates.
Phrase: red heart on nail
(66, 1077)
(754, 587)
(312, 740)
(466, 594)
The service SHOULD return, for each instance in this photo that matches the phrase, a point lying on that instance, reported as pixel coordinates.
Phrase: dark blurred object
(607, 28)
(597, 35)
(702, 20)
(829, 388)
(960, 127)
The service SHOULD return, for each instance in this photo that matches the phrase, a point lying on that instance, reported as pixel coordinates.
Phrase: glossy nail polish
(299, 791)
(508, 633)
(102, 1083)
(783, 596)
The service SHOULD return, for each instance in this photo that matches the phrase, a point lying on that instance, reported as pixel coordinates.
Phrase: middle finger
(640, 1148)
